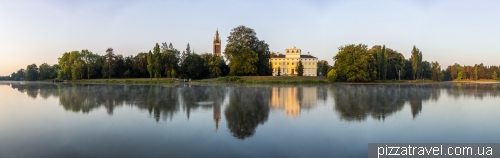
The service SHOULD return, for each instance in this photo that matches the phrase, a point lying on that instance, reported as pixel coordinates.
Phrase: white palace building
(289, 61)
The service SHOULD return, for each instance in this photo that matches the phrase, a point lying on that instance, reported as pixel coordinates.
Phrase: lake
(231, 120)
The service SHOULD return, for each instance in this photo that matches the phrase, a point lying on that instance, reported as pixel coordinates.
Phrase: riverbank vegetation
(246, 55)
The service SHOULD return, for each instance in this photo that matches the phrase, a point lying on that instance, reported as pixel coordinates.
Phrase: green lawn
(268, 79)
(127, 80)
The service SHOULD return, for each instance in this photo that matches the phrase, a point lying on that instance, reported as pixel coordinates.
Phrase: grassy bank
(258, 80)
(126, 81)
(403, 81)
(477, 81)
(267, 79)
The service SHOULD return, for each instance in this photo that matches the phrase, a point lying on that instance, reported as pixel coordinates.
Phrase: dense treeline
(162, 62)
(358, 63)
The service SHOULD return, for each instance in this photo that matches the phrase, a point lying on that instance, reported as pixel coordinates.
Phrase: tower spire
(217, 44)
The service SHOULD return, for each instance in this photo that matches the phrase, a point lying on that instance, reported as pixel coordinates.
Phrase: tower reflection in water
(247, 107)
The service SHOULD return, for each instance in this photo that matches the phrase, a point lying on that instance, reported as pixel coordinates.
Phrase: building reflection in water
(247, 107)
(292, 99)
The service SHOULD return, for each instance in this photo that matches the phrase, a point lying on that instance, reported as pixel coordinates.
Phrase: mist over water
(231, 120)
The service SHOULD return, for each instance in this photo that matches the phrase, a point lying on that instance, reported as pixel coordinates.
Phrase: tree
(140, 65)
(455, 69)
(460, 74)
(383, 55)
(18, 76)
(244, 62)
(407, 70)
(170, 61)
(214, 64)
(77, 67)
(354, 64)
(241, 38)
(437, 74)
(150, 65)
(193, 66)
(426, 70)
(65, 64)
(420, 64)
(45, 71)
(91, 62)
(109, 63)
(157, 65)
(120, 67)
(494, 75)
(323, 68)
(299, 68)
(476, 75)
(332, 75)
(31, 72)
(279, 71)
(415, 61)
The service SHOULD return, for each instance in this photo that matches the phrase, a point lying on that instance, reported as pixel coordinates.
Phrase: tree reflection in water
(357, 102)
(248, 107)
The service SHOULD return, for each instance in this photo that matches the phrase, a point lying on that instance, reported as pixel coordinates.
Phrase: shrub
(332, 75)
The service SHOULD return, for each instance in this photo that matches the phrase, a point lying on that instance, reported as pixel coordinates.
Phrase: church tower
(217, 44)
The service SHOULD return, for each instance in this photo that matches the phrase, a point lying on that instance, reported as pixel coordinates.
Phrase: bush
(332, 75)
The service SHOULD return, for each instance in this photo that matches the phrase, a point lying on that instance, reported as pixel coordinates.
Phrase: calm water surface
(65, 120)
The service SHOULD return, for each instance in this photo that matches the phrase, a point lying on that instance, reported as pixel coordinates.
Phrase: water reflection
(357, 102)
(293, 99)
(247, 107)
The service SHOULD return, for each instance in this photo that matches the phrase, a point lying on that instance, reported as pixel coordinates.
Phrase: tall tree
(455, 69)
(376, 52)
(416, 62)
(384, 63)
(426, 70)
(65, 64)
(244, 62)
(150, 65)
(193, 66)
(279, 71)
(109, 63)
(241, 38)
(31, 72)
(91, 62)
(354, 64)
(77, 67)
(214, 64)
(157, 65)
(437, 74)
(299, 68)
(19, 75)
(420, 64)
(170, 61)
(45, 71)
(140, 65)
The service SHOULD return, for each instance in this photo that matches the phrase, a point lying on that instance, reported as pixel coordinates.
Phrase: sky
(447, 31)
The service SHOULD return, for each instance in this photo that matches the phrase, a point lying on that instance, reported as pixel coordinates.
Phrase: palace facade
(288, 62)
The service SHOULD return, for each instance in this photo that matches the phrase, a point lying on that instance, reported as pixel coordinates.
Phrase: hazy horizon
(464, 32)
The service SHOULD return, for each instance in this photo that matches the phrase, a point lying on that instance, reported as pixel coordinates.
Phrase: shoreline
(288, 80)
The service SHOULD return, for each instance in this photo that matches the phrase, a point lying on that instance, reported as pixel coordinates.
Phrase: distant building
(289, 61)
(217, 43)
